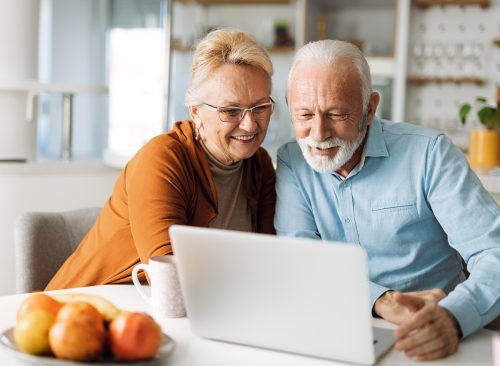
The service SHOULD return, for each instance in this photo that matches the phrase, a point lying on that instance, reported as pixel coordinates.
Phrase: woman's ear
(194, 112)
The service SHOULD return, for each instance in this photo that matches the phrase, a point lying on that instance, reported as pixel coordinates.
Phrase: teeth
(244, 138)
(324, 148)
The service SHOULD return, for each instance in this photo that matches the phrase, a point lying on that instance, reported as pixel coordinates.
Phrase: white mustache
(325, 144)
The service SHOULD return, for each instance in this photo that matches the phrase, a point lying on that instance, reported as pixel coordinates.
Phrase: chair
(43, 241)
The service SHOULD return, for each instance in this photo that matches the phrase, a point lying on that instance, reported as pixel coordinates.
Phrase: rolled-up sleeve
(471, 218)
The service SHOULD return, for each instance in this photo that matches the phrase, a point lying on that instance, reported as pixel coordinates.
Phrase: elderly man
(402, 192)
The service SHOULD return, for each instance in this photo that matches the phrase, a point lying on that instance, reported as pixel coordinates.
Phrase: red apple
(134, 337)
(75, 340)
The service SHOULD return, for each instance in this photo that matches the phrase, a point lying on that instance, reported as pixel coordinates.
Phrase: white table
(194, 351)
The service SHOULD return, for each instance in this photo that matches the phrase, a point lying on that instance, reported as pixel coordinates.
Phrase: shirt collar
(374, 147)
(375, 144)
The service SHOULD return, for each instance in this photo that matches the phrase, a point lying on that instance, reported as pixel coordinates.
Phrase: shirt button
(348, 221)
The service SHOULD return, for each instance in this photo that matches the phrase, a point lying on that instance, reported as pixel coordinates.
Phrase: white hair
(221, 47)
(330, 52)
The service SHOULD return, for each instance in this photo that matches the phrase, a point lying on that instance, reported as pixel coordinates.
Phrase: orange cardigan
(167, 182)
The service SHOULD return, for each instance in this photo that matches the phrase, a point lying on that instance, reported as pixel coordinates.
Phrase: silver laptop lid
(292, 294)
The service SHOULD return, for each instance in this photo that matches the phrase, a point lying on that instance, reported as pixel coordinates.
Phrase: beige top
(234, 212)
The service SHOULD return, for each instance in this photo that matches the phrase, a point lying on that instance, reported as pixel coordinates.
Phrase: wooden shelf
(273, 49)
(496, 42)
(242, 2)
(422, 80)
(179, 48)
(427, 3)
(280, 49)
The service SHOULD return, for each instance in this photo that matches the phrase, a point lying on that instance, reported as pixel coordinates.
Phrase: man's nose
(319, 129)
(248, 123)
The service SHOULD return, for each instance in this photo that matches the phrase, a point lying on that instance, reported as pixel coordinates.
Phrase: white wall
(45, 187)
(18, 63)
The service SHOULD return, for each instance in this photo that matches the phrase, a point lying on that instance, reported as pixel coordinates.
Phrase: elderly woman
(209, 172)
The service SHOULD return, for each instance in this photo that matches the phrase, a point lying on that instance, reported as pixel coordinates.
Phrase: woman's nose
(248, 123)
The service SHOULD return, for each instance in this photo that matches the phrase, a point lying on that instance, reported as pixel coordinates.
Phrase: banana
(105, 307)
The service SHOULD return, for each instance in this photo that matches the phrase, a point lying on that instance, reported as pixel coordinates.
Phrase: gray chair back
(44, 240)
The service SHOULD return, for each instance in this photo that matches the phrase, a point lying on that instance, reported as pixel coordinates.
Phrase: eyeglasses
(232, 114)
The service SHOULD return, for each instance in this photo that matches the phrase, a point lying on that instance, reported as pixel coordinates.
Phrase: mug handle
(138, 284)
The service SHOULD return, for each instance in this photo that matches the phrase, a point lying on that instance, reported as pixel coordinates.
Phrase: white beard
(327, 164)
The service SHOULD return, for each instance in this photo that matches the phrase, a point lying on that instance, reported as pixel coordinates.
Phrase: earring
(197, 135)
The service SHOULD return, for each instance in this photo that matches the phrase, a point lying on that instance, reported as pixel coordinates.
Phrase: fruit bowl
(8, 343)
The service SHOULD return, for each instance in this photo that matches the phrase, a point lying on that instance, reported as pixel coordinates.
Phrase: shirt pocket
(395, 224)
(407, 207)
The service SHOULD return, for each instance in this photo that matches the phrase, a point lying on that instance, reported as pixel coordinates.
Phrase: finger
(435, 294)
(440, 333)
(420, 338)
(387, 308)
(434, 355)
(438, 294)
(436, 345)
(417, 320)
(411, 302)
(429, 342)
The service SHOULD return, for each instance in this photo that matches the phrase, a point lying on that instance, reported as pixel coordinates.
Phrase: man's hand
(430, 331)
(388, 308)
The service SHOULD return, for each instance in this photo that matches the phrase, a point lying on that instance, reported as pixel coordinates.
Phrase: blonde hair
(224, 46)
(330, 52)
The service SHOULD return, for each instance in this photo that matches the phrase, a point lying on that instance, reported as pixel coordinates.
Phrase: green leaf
(496, 117)
(481, 100)
(464, 111)
(487, 116)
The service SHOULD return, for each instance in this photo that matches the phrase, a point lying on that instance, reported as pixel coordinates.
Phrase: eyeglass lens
(236, 114)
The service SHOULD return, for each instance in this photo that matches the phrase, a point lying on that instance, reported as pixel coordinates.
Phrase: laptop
(297, 295)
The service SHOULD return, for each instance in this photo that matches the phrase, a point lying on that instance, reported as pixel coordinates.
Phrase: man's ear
(372, 106)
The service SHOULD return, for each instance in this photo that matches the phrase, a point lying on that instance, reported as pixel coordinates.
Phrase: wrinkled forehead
(234, 81)
(342, 71)
(314, 80)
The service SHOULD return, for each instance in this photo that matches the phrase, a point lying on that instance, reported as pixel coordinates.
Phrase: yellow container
(484, 148)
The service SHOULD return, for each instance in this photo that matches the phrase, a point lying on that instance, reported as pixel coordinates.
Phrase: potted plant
(484, 146)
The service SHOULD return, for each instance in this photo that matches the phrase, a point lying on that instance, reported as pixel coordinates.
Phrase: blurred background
(85, 83)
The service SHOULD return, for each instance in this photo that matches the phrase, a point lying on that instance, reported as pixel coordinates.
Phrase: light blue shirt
(414, 205)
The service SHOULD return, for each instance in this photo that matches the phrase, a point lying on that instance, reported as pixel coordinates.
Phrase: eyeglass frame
(244, 110)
